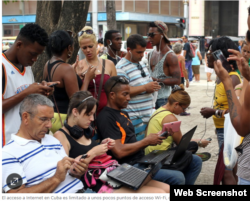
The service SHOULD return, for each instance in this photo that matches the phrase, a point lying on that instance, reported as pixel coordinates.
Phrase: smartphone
(209, 139)
(164, 134)
(53, 85)
(219, 55)
(84, 156)
(175, 126)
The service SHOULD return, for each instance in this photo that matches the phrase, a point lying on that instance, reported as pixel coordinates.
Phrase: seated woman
(82, 108)
(59, 50)
(88, 45)
(177, 103)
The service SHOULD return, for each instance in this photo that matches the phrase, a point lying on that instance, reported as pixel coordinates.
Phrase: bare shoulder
(60, 136)
(169, 118)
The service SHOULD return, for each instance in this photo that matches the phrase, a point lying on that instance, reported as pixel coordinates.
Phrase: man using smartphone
(17, 76)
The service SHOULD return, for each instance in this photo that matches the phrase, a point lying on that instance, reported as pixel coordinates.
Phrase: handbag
(181, 164)
(191, 52)
(231, 141)
(96, 168)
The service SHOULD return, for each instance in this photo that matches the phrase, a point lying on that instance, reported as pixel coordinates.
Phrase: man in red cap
(163, 63)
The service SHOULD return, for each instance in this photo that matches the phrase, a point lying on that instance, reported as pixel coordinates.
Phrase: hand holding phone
(84, 156)
(52, 85)
(218, 55)
(164, 134)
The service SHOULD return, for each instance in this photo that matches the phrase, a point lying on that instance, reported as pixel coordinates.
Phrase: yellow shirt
(220, 101)
(154, 127)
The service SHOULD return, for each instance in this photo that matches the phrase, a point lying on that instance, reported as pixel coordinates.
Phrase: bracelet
(216, 114)
(199, 143)
(237, 89)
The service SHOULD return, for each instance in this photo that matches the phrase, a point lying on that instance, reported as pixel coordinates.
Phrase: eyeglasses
(70, 33)
(143, 74)
(122, 80)
(87, 32)
(152, 34)
(176, 88)
(184, 109)
(45, 120)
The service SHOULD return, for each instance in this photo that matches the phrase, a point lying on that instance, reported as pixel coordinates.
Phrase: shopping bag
(231, 141)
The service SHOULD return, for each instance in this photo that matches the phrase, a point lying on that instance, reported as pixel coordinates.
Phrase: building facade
(131, 16)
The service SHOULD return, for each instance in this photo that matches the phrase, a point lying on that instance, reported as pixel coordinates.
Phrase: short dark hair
(58, 41)
(134, 40)
(100, 40)
(248, 36)
(33, 33)
(152, 24)
(110, 83)
(224, 43)
(108, 36)
(77, 98)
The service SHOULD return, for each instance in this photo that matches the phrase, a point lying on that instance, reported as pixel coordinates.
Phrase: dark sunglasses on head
(87, 32)
(152, 34)
(121, 80)
(70, 33)
(143, 74)
(176, 88)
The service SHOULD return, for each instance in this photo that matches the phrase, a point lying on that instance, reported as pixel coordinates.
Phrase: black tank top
(76, 148)
(60, 94)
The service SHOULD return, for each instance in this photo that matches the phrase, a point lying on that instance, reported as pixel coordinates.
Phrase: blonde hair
(84, 35)
(180, 96)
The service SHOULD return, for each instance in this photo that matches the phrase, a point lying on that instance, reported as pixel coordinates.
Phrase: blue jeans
(188, 66)
(243, 181)
(220, 136)
(160, 102)
(174, 177)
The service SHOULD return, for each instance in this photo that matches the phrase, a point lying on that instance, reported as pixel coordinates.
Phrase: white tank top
(15, 82)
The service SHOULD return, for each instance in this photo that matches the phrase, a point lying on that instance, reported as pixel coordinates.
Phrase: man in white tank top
(17, 76)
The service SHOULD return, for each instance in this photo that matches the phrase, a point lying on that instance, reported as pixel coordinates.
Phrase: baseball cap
(185, 36)
(162, 26)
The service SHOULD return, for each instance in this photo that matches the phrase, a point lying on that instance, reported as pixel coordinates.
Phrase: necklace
(92, 66)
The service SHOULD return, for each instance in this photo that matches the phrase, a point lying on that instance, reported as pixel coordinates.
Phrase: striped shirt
(35, 162)
(243, 150)
(141, 105)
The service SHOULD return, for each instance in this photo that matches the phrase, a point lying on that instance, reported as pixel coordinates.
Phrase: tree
(111, 15)
(59, 15)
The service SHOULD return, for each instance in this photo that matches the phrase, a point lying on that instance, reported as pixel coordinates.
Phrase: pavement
(202, 96)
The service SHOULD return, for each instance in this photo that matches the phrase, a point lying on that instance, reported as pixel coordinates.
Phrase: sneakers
(184, 114)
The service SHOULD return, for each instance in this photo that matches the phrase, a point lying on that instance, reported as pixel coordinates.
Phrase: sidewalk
(202, 96)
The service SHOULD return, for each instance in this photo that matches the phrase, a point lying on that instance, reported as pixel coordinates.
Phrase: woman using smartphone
(76, 140)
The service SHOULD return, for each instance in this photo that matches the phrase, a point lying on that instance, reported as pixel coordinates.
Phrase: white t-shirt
(35, 162)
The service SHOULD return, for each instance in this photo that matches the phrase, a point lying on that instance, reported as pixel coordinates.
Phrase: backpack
(192, 50)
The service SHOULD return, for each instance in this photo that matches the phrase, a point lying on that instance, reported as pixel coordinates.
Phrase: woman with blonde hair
(92, 67)
(178, 102)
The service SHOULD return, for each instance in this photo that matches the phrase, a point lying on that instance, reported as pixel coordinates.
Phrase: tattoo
(232, 108)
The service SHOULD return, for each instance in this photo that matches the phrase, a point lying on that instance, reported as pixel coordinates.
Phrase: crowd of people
(48, 126)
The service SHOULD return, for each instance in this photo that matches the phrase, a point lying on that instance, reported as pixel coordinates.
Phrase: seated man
(34, 162)
(113, 123)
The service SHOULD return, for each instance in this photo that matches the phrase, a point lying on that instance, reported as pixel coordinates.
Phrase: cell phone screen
(83, 156)
(219, 55)
(164, 134)
(53, 85)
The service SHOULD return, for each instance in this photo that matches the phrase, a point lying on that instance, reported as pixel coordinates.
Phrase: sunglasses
(122, 80)
(87, 32)
(152, 34)
(176, 88)
(143, 74)
(70, 33)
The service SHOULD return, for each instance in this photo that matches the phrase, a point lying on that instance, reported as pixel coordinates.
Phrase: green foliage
(7, 1)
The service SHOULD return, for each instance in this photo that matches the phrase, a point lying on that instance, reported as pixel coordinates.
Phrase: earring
(69, 54)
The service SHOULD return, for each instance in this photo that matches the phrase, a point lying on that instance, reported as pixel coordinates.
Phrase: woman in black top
(82, 108)
(60, 49)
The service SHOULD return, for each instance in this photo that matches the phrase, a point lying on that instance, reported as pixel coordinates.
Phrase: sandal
(204, 156)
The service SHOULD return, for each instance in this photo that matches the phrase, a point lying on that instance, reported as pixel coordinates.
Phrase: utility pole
(185, 2)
